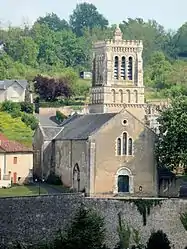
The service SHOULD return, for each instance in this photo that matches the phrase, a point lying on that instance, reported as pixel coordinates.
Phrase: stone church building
(110, 150)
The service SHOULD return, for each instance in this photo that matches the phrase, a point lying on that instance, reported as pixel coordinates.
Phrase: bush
(9, 106)
(27, 107)
(86, 232)
(53, 179)
(15, 114)
(30, 120)
(60, 116)
(158, 240)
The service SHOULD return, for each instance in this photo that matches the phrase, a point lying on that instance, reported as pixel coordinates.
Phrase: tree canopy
(52, 44)
(172, 142)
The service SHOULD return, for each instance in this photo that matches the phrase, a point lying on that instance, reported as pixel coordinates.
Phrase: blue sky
(171, 14)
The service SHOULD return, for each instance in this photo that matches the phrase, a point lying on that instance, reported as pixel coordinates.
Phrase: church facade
(110, 150)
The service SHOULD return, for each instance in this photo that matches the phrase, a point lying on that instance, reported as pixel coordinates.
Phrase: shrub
(53, 179)
(30, 120)
(9, 106)
(158, 240)
(15, 114)
(86, 232)
(60, 116)
(27, 107)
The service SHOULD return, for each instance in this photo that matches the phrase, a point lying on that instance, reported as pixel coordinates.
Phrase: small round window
(124, 122)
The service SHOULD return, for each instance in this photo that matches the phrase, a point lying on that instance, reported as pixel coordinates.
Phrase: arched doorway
(76, 177)
(123, 184)
(123, 181)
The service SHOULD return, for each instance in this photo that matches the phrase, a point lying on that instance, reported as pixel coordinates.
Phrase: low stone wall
(32, 219)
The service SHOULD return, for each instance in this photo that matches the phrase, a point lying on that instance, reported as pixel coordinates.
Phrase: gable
(116, 126)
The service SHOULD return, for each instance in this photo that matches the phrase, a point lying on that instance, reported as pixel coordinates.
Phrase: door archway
(76, 177)
(123, 181)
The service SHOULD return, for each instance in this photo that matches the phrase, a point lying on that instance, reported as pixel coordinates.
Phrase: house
(16, 162)
(110, 150)
(14, 90)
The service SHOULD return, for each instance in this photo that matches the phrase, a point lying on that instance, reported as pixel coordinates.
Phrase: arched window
(119, 146)
(76, 177)
(116, 67)
(136, 96)
(124, 143)
(113, 96)
(121, 96)
(130, 70)
(128, 96)
(123, 67)
(130, 147)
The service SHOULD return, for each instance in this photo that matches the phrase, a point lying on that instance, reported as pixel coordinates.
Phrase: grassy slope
(15, 129)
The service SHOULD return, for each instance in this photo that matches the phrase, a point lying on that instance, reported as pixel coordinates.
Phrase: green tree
(23, 49)
(53, 22)
(158, 240)
(86, 15)
(171, 148)
(86, 232)
(157, 70)
(179, 41)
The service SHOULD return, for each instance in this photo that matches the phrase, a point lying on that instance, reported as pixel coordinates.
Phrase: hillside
(15, 129)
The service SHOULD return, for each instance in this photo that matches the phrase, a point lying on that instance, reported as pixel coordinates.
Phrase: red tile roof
(13, 146)
(3, 137)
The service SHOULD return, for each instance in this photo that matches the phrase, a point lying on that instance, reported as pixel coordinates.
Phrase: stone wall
(33, 219)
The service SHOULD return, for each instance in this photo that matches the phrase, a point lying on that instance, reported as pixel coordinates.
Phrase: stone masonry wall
(32, 219)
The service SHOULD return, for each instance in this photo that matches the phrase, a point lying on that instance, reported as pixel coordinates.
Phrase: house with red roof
(16, 162)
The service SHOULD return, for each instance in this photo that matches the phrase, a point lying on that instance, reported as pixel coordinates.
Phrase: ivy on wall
(183, 218)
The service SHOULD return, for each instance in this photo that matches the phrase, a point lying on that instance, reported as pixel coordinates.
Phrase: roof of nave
(82, 126)
(50, 132)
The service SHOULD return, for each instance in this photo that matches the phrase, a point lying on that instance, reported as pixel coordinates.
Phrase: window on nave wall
(124, 145)
(116, 68)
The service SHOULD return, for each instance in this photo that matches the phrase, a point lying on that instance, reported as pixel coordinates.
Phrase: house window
(15, 160)
(119, 146)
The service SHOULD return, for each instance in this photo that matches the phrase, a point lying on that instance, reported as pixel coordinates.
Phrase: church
(110, 150)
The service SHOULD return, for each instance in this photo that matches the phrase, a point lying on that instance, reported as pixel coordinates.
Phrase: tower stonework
(117, 81)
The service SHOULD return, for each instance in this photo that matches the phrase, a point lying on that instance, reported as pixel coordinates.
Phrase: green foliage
(30, 120)
(183, 218)
(158, 240)
(10, 107)
(54, 180)
(144, 207)
(60, 116)
(27, 107)
(86, 15)
(124, 233)
(86, 232)
(15, 129)
(171, 149)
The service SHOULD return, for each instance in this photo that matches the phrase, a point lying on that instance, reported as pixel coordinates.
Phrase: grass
(21, 191)
(15, 129)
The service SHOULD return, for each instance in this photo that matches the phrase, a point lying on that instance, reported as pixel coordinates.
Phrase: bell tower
(117, 80)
